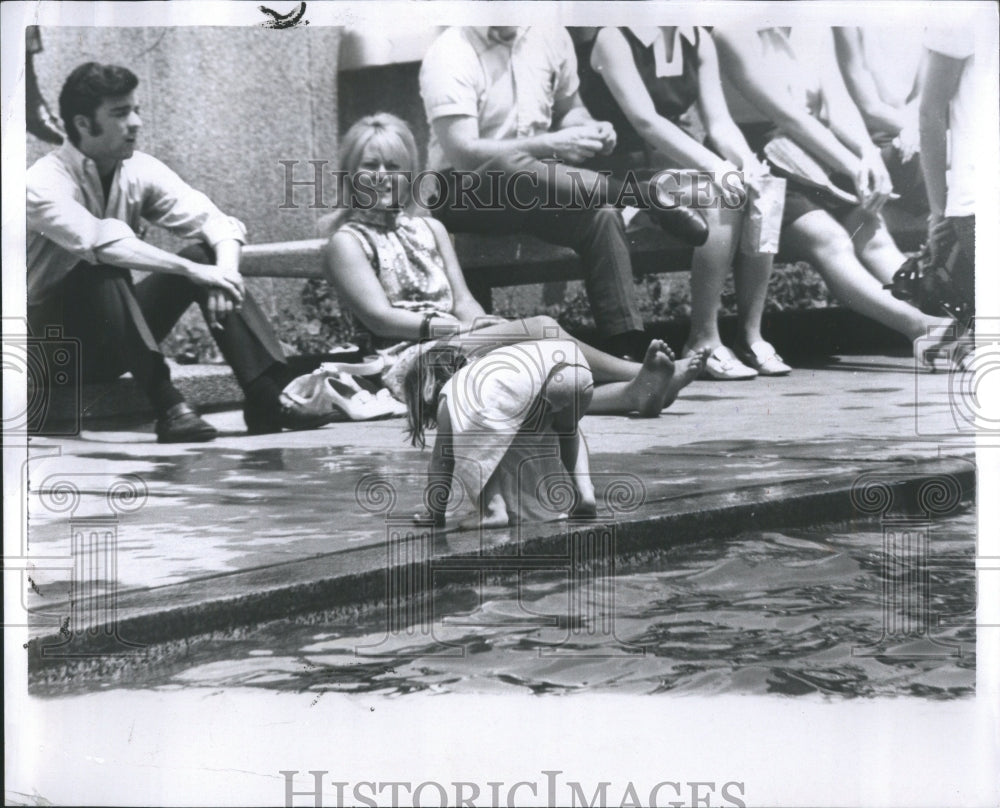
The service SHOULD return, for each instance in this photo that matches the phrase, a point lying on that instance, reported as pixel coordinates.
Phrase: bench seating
(487, 261)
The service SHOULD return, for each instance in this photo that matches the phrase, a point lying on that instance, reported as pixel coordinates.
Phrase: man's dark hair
(85, 89)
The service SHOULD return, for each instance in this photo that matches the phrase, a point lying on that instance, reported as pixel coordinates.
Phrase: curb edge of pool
(350, 578)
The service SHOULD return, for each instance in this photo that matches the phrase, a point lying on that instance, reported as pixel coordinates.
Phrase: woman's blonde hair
(390, 134)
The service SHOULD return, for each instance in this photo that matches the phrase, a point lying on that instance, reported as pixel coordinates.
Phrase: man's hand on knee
(218, 305)
(218, 278)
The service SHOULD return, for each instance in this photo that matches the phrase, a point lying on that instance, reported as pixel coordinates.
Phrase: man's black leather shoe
(291, 416)
(683, 223)
(181, 424)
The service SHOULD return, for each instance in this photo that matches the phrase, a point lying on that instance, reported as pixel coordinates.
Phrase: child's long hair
(422, 388)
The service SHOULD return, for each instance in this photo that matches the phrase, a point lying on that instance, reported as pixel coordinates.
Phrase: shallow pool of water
(818, 610)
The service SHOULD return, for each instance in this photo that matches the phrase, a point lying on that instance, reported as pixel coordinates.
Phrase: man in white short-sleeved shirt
(87, 204)
(513, 88)
(503, 103)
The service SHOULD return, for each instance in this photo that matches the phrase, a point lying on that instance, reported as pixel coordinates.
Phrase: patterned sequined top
(404, 255)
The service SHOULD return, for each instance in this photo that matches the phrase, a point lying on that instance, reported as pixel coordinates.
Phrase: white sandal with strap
(722, 365)
(762, 357)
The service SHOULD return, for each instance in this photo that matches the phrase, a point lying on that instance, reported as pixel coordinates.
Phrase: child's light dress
(501, 430)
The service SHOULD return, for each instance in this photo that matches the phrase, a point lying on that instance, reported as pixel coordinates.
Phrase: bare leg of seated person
(878, 252)
(750, 277)
(622, 387)
(575, 456)
(818, 238)
(874, 245)
(710, 266)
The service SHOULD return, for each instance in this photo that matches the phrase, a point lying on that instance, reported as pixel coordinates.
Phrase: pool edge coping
(288, 589)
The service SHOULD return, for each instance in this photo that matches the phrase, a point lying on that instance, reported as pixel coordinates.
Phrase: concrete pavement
(198, 537)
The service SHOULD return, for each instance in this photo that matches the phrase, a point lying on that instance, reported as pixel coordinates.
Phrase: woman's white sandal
(722, 365)
(762, 357)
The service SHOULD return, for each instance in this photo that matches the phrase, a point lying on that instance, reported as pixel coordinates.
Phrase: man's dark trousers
(596, 233)
(120, 324)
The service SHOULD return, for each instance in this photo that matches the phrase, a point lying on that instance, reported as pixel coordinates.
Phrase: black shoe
(289, 416)
(181, 424)
(682, 223)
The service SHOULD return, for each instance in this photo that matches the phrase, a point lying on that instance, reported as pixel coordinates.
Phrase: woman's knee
(607, 217)
(827, 242)
(719, 217)
(569, 391)
(541, 326)
(723, 230)
(878, 237)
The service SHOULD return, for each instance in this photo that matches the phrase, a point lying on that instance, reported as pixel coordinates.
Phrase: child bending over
(507, 427)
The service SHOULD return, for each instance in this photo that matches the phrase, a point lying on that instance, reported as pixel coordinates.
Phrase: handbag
(939, 282)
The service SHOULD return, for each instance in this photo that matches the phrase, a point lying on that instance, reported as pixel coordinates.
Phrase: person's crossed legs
(856, 280)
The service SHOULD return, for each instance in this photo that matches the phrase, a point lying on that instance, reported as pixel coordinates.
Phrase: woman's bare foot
(652, 388)
(686, 371)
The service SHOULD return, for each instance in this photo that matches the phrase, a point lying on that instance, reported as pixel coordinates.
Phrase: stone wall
(221, 106)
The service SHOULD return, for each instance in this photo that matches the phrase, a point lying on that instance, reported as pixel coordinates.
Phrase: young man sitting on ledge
(86, 204)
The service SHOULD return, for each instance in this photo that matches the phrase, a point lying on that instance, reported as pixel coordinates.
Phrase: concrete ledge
(206, 387)
(152, 619)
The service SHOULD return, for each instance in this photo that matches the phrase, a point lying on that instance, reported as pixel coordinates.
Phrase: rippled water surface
(793, 612)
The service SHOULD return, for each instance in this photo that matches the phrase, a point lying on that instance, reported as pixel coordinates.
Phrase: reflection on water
(792, 613)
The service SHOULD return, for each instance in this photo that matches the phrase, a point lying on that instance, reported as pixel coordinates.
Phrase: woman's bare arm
(719, 124)
(861, 85)
(347, 268)
(465, 307)
(743, 62)
(612, 59)
(941, 81)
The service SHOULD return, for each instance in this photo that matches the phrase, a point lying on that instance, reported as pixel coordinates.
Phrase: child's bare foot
(493, 514)
(686, 371)
(584, 509)
(650, 388)
(585, 504)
